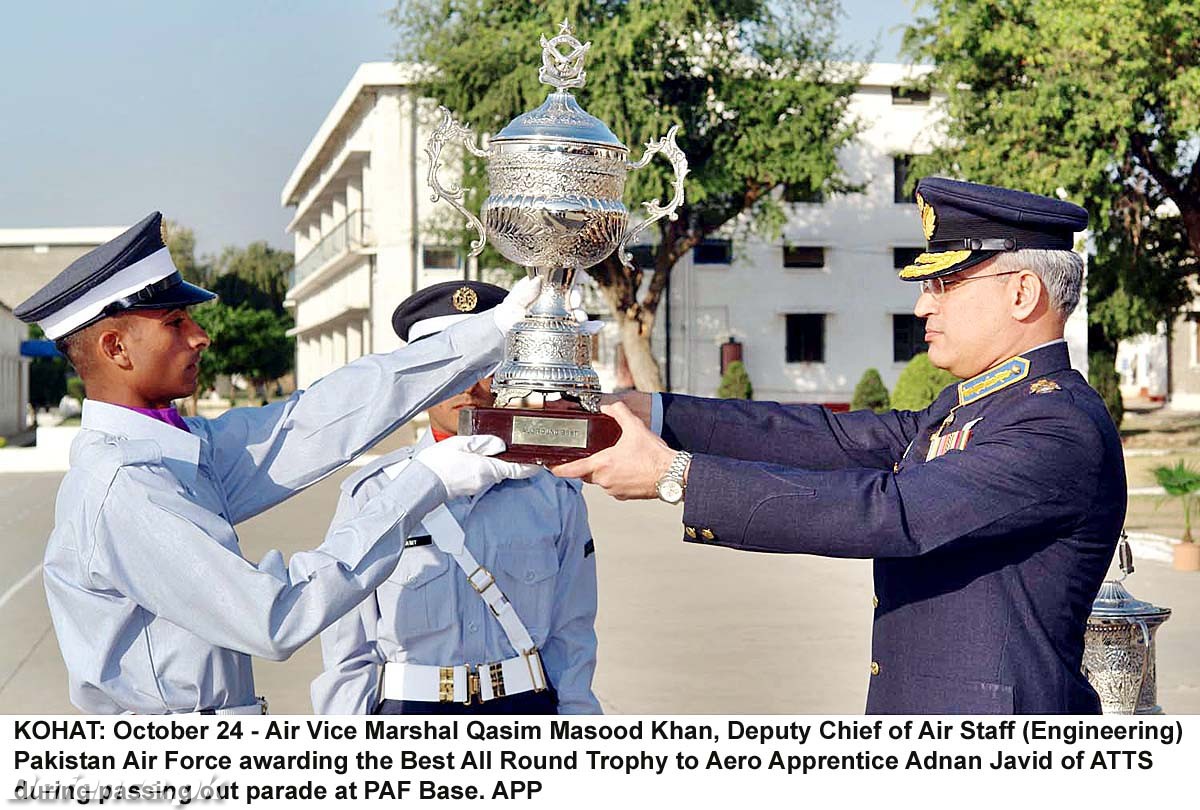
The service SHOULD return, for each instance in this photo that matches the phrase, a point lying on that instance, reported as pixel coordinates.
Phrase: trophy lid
(560, 118)
(1115, 602)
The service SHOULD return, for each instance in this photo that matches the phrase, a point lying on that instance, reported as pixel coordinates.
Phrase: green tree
(758, 88)
(250, 342)
(1093, 97)
(47, 375)
(870, 393)
(735, 382)
(256, 276)
(1102, 375)
(919, 384)
(181, 242)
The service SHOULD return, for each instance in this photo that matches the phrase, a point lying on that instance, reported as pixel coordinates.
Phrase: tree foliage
(754, 85)
(246, 341)
(47, 375)
(1102, 375)
(919, 384)
(870, 393)
(735, 382)
(1093, 97)
(255, 276)
(1181, 482)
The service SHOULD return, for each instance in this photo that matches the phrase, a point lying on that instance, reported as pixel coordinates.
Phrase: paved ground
(682, 629)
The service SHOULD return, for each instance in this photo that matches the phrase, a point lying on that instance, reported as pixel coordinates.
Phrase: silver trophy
(556, 176)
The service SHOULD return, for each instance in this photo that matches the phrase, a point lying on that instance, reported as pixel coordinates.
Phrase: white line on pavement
(25, 580)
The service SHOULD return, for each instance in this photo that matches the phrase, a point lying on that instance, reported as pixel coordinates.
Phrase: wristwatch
(672, 486)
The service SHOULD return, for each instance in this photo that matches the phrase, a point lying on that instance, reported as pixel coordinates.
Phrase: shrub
(870, 393)
(735, 382)
(75, 388)
(919, 384)
(1102, 375)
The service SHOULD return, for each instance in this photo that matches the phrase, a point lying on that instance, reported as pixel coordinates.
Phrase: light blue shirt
(533, 536)
(155, 609)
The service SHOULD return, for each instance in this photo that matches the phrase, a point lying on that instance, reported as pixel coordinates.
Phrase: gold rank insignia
(1044, 387)
(464, 299)
(928, 217)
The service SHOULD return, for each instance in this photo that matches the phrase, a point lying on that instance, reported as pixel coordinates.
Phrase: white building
(812, 310)
(29, 257)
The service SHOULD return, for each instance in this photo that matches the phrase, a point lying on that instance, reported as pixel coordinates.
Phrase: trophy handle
(654, 210)
(447, 131)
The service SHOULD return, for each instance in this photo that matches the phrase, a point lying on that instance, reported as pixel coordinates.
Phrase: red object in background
(836, 407)
(731, 351)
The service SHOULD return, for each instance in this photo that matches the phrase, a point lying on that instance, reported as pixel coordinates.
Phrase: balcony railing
(352, 232)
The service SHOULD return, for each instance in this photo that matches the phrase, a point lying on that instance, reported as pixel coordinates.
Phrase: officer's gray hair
(1061, 272)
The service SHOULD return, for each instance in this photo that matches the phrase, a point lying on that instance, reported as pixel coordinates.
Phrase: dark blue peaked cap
(133, 271)
(967, 223)
(430, 310)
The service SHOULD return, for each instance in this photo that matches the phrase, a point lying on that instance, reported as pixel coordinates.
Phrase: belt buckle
(531, 657)
(445, 684)
(472, 684)
(496, 671)
(489, 582)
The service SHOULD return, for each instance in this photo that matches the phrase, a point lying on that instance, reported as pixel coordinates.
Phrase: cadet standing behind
(155, 609)
(506, 577)
(992, 515)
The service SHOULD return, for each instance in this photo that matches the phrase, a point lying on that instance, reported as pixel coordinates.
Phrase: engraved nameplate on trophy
(556, 177)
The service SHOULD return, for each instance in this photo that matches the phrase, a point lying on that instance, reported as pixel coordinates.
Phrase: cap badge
(464, 299)
(1044, 387)
(928, 217)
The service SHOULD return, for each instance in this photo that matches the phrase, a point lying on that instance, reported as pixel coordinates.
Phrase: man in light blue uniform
(155, 609)
(429, 641)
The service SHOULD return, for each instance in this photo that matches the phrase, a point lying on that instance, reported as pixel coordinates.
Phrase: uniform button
(410, 579)
(690, 531)
(874, 667)
(875, 601)
(473, 627)
(707, 534)
(529, 575)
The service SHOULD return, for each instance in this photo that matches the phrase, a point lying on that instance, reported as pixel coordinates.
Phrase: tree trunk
(635, 339)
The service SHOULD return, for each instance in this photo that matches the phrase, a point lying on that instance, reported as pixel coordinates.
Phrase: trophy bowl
(556, 176)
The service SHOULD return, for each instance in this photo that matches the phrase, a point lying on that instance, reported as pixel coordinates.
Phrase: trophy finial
(563, 70)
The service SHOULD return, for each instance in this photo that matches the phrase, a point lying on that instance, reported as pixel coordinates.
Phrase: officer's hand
(464, 467)
(575, 304)
(638, 402)
(517, 303)
(630, 468)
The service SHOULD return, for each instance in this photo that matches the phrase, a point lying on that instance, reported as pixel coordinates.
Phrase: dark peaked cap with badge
(133, 271)
(967, 223)
(427, 312)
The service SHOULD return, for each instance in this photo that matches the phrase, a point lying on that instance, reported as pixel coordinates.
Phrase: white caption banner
(591, 762)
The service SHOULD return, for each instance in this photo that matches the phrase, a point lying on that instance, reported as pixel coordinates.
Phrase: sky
(201, 108)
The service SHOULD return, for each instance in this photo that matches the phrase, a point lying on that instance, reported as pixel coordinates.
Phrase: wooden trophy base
(556, 434)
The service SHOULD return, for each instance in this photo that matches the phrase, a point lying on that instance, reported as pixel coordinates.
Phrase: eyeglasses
(937, 287)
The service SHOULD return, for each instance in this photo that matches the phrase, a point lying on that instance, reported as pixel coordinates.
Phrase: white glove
(575, 304)
(464, 467)
(517, 303)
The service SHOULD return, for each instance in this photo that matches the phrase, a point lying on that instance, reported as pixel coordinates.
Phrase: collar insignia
(993, 380)
(928, 217)
(464, 299)
(1044, 387)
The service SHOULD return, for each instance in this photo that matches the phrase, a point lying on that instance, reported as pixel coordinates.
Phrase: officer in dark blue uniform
(992, 515)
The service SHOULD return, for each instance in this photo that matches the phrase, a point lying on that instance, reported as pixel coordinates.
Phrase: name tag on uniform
(941, 445)
(413, 542)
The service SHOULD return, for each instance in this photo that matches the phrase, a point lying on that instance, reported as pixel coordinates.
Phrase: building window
(802, 193)
(900, 169)
(801, 256)
(909, 95)
(439, 258)
(806, 338)
(908, 337)
(643, 256)
(903, 257)
(713, 251)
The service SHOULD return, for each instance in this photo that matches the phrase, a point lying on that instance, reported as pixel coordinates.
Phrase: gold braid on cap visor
(928, 264)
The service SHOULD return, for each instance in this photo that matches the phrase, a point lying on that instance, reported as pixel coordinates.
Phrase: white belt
(259, 706)
(462, 683)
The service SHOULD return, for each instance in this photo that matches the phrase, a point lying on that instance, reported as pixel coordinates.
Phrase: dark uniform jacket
(992, 517)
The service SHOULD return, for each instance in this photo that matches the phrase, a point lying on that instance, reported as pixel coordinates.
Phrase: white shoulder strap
(449, 537)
